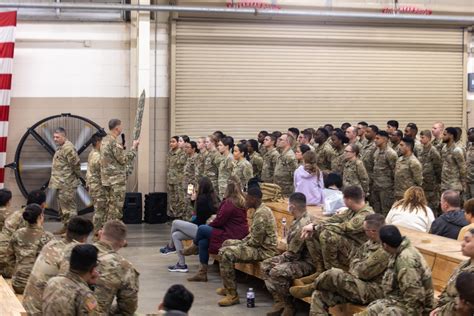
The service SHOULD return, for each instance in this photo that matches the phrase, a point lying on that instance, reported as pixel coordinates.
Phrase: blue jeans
(203, 236)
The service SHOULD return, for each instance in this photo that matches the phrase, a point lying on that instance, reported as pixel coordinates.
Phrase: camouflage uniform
(470, 171)
(189, 177)
(453, 172)
(46, 266)
(367, 157)
(257, 164)
(175, 163)
(24, 247)
(65, 175)
(96, 190)
(296, 262)
(360, 285)
(336, 238)
(284, 171)
(211, 167)
(14, 222)
(396, 148)
(244, 171)
(69, 295)
(324, 155)
(407, 285)
(226, 167)
(4, 213)
(337, 163)
(431, 163)
(447, 299)
(200, 158)
(418, 148)
(408, 173)
(117, 279)
(113, 174)
(383, 180)
(270, 159)
(355, 174)
(438, 144)
(461, 145)
(260, 244)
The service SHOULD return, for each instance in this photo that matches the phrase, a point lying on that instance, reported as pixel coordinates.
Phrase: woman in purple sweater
(230, 223)
(308, 179)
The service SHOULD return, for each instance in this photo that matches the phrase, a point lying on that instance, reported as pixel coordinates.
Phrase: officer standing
(408, 170)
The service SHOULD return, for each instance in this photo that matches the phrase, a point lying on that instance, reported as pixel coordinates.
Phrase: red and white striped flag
(7, 45)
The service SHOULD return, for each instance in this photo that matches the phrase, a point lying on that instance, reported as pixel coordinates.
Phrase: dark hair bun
(32, 212)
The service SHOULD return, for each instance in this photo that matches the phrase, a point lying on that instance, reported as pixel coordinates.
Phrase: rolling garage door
(242, 77)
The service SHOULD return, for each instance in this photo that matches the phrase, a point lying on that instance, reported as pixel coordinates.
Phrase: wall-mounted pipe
(321, 14)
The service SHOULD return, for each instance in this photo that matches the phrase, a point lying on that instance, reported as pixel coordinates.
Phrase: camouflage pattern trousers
(176, 205)
(233, 251)
(336, 286)
(433, 201)
(280, 273)
(386, 307)
(382, 201)
(331, 250)
(99, 200)
(115, 201)
(67, 203)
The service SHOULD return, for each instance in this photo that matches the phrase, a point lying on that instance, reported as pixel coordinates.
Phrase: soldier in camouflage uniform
(48, 263)
(352, 133)
(437, 132)
(354, 172)
(395, 139)
(118, 279)
(324, 152)
(361, 284)
(255, 158)
(212, 161)
(294, 263)
(385, 159)
(25, 245)
(286, 165)
(113, 171)
(260, 244)
(339, 140)
(189, 176)
(200, 157)
(453, 171)
(175, 163)
(70, 294)
(407, 285)
(270, 158)
(243, 169)
(470, 165)
(411, 130)
(446, 305)
(65, 176)
(226, 165)
(94, 184)
(430, 160)
(408, 170)
(367, 154)
(5, 210)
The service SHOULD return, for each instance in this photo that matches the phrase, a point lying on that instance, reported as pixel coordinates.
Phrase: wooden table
(9, 303)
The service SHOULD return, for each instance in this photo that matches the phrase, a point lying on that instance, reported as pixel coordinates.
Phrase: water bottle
(283, 226)
(250, 298)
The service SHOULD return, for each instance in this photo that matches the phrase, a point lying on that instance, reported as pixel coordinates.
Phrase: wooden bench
(10, 304)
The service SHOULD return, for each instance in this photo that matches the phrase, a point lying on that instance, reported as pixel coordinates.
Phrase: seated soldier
(331, 241)
(280, 271)
(47, 265)
(118, 279)
(260, 244)
(5, 211)
(70, 294)
(465, 288)
(407, 284)
(447, 300)
(177, 301)
(361, 284)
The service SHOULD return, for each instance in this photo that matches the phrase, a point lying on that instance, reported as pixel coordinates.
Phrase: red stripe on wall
(2, 175)
(8, 18)
(5, 81)
(3, 144)
(4, 113)
(6, 50)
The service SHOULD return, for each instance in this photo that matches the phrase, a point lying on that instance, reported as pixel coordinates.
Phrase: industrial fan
(34, 156)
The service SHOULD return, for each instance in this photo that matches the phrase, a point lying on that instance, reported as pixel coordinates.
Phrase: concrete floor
(144, 241)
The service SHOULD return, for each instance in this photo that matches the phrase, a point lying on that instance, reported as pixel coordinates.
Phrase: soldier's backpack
(271, 192)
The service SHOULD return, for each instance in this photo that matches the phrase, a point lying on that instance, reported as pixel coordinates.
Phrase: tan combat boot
(201, 275)
(222, 291)
(230, 299)
(191, 250)
(302, 291)
(309, 279)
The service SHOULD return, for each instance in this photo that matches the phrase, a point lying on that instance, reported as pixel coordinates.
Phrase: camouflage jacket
(384, 168)
(408, 280)
(226, 167)
(14, 222)
(189, 176)
(211, 165)
(69, 295)
(285, 169)
(447, 299)
(355, 174)
(369, 262)
(367, 157)
(453, 172)
(262, 233)
(431, 162)
(470, 163)
(324, 155)
(270, 159)
(4, 213)
(348, 223)
(93, 170)
(66, 168)
(200, 158)
(244, 171)
(113, 161)
(408, 172)
(46, 266)
(257, 163)
(396, 148)
(337, 163)
(297, 250)
(118, 280)
(438, 144)
(24, 247)
(175, 164)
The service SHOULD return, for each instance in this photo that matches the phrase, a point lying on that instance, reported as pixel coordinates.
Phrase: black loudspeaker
(155, 208)
(132, 209)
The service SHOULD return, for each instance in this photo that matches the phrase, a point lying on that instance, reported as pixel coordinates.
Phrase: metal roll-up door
(241, 77)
